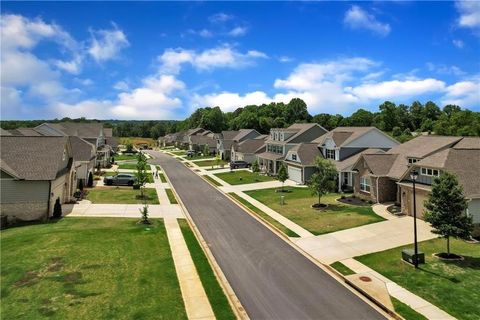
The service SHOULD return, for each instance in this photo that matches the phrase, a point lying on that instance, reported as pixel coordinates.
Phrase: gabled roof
(4, 132)
(380, 164)
(25, 132)
(112, 141)
(228, 135)
(82, 130)
(468, 143)
(307, 152)
(423, 146)
(82, 150)
(301, 129)
(242, 133)
(32, 158)
(250, 146)
(203, 140)
(108, 132)
(342, 136)
(350, 161)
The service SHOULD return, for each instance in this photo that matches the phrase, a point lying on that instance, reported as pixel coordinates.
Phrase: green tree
(397, 131)
(296, 111)
(388, 115)
(282, 174)
(144, 213)
(446, 209)
(323, 180)
(206, 150)
(141, 173)
(255, 166)
(129, 147)
(361, 118)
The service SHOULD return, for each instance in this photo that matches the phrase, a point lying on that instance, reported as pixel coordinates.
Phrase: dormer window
(430, 172)
(330, 154)
(294, 157)
(412, 161)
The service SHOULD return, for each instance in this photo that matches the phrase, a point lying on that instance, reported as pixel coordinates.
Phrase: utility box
(409, 256)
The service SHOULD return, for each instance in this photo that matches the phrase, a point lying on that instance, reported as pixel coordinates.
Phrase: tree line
(398, 120)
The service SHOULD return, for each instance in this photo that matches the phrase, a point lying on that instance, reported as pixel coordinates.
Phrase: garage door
(295, 174)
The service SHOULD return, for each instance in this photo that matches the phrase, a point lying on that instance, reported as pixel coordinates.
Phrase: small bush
(342, 196)
(370, 202)
(57, 209)
(353, 196)
(136, 187)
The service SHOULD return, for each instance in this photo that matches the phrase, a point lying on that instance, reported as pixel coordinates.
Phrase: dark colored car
(190, 153)
(239, 164)
(120, 179)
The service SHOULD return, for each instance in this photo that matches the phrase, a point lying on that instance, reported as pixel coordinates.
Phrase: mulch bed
(448, 257)
(354, 201)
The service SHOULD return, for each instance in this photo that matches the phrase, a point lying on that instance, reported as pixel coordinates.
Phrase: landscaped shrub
(90, 180)
(80, 185)
(57, 209)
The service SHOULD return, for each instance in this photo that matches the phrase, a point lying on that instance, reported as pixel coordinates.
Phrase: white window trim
(365, 182)
(433, 172)
(331, 151)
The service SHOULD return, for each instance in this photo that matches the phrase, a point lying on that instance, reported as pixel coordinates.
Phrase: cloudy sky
(162, 60)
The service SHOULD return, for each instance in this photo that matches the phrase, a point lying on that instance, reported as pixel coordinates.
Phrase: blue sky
(154, 60)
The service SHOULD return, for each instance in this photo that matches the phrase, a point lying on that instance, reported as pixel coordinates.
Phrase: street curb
(334, 273)
(233, 300)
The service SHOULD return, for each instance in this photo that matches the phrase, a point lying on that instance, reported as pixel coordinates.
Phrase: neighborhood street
(271, 279)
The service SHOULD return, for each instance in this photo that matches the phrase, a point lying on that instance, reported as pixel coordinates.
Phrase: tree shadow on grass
(468, 262)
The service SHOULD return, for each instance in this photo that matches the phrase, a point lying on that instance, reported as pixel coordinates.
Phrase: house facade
(281, 140)
(35, 171)
(226, 139)
(248, 149)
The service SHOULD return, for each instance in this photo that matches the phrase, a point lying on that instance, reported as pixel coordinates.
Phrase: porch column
(339, 182)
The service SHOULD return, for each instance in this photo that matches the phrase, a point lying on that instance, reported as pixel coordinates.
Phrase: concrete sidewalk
(85, 209)
(418, 304)
(256, 186)
(159, 187)
(196, 301)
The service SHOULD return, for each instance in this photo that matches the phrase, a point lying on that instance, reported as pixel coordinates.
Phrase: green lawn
(112, 173)
(162, 177)
(125, 157)
(337, 216)
(209, 163)
(215, 293)
(199, 157)
(130, 166)
(171, 196)
(264, 216)
(179, 153)
(452, 286)
(215, 182)
(121, 195)
(343, 269)
(405, 311)
(243, 177)
(89, 268)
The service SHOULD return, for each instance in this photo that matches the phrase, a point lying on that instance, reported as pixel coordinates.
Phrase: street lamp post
(414, 176)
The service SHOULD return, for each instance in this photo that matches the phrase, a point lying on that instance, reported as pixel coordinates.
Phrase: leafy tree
(206, 150)
(416, 115)
(217, 160)
(323, 180)
(446, 209)
(142, 174)
(144, 213)
(296, 111)
(361, 118)
(282, 174)
(388, 115)
(129, 147)
(255, 166)
(396, 131)
(57, 209)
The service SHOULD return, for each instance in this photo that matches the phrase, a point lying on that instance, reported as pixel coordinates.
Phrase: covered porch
(270, 162)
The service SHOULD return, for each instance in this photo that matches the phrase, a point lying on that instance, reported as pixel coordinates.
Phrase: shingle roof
(464, 163)
(468, 143)
(32, 158)
(82, 150)
(229, 135)
(203, 140)
(380, 164)
(302, 128)
(4, 132)
(250, 146)
(242, 133)
(82, 130)
(344, 135)
(112, 141)
(350, 161)
(25, 132)
(108, 132)
(307, 152)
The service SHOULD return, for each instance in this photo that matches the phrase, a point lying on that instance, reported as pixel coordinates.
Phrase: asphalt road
(271, 279)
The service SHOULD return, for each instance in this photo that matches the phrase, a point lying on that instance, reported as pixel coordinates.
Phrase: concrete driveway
(271, 278)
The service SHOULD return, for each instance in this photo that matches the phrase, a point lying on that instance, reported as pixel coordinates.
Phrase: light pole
(414, 176)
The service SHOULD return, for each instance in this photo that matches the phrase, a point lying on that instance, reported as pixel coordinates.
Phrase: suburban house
(35, 171)
(378, 174)
(343, 146)
(83, 159)
(110, 140)
(226, 139)
(197, 142)
(281, 140)
(182, 138)
(91, 132)
(462, 160)
(247, 150)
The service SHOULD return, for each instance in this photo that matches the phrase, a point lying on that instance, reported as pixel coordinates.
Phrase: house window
(330, 154)
(412, 160)
(345, 178)
(365, 184)
(64, 156)
(430, 172)
(294, 157)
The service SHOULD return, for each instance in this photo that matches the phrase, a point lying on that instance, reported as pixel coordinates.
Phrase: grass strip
(343, 269)
(162, 177)
(210, 179)
(216, 296)
(405, 311)
(264, 216)
(171, 196)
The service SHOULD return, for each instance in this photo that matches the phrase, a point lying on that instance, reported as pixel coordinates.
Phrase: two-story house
(281, 140)
(226, 139)
(247, 150)
(378, 174)
(463, 160)
(35, 172)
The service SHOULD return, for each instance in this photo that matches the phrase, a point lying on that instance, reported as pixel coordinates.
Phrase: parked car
(239, 164)
(190, 153)
(120, 179)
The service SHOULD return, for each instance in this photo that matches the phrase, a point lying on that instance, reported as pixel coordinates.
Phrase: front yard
(113, 173)
(337, 216)
(243, 177)
(121, 195)
(125, 157)
(89, 268)
(452, 286)
(210, 163)
(130, 166)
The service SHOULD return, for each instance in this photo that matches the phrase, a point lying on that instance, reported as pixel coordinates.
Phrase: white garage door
(295, 174)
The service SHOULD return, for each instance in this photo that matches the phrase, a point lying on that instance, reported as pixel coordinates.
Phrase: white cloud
(238, 32)
(357, 18)
(73, 66)
(458, 43)
(121, 86)
(229, 101)
(284, 59)
(397, 89)
(220, 57)
(469, 14)
(107, 44)
(205, 33)
(464, 93)
(443, 69)
(220, 17)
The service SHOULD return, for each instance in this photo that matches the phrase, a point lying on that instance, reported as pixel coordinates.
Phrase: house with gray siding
(247, 150)
(281, 140)
(226, 139)
(35, 171)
